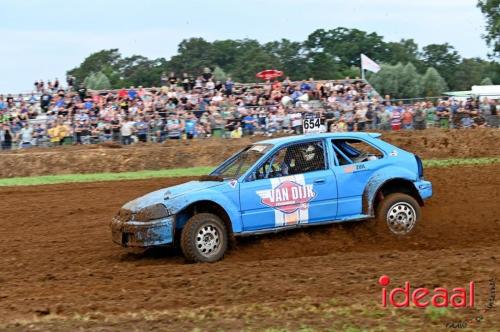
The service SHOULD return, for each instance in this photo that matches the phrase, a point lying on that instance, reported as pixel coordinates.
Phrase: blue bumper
(143, 234)
(424, 189)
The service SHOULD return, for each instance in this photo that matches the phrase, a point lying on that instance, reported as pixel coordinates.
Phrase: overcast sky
(41, 39)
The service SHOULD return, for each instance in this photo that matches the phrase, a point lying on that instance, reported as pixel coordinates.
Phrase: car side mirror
(252, 177)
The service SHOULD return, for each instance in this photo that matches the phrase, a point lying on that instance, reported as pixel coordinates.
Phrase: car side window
(294, 159)
(350, 151)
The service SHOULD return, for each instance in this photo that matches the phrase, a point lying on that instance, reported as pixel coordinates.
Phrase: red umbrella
(269, 74)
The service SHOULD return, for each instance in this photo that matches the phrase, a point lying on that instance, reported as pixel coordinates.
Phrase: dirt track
(59, 269)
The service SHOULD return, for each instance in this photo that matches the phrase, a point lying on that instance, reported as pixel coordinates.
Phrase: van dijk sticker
(290, 197)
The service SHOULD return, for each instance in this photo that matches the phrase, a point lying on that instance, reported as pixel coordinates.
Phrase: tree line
(407, 69)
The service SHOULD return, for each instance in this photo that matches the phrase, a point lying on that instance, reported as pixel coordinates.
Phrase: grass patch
(435, 314)
(373, 312)
(460, 162)
(95, 177)
(191, 171)
(352, 329)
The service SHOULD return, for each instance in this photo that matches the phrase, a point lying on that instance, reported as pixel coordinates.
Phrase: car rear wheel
(398, 212)
(204, 238)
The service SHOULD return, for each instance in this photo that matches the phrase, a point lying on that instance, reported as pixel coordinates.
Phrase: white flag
(369, 64)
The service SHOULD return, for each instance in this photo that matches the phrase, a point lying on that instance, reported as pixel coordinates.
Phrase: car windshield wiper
(210, 178)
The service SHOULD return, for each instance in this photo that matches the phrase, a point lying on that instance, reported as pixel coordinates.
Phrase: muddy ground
(210, 152)
(59, 270)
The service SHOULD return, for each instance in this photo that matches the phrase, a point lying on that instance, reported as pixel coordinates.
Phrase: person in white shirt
(296, 119)
(127, 130)
(26, 135)
(218, 97)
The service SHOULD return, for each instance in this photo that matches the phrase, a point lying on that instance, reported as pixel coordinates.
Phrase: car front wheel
(204, 238)
(399, 212)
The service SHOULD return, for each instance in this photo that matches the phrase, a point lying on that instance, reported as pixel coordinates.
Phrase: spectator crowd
(186, 108)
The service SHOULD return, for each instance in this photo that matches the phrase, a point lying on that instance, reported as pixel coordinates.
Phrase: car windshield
(241, 162)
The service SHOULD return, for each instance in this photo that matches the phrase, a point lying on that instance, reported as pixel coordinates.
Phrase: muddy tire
(204, 238)
(399, 213)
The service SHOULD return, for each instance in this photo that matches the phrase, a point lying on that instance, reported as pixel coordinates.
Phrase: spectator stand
(266, 108)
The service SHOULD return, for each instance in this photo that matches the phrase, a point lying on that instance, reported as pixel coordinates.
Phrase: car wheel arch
(376, 190)
(203, 206)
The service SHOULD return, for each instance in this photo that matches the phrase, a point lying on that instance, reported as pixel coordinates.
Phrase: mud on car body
(279, 184)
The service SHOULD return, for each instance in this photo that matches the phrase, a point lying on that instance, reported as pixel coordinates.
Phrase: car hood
(165, 194)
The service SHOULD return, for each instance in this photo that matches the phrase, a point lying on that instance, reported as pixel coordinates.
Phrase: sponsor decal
(289, 196)
(349, 168)
(394, 153)
(233, 183)
(353, 168)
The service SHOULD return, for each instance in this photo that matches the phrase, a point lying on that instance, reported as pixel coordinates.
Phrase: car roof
(298, 138)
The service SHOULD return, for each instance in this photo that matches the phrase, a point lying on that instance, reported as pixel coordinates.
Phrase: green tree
(351, 72)
(252, 59)
(444, 58)
(97, 81)
(321, 66)
(410, 82)
(103, 61)
(345, 45)
(224, 53)
(432, 83)
(292, 58)
(387, 80)
(492, 70)
(470, 71)
(325, 54)
(491, 10)
(219, 74)
(486, 81)
(194, 54)
(139, 70)
(404, 51)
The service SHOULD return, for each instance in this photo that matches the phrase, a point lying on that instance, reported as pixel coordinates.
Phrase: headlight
(124, 215)
(153, 212)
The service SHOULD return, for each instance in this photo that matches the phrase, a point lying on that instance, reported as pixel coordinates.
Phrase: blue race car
(279, 184)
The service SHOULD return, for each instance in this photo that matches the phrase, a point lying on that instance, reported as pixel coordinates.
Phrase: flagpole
(362, 70)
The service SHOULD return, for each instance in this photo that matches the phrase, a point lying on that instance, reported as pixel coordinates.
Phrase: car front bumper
(143, 234)
(424, 189)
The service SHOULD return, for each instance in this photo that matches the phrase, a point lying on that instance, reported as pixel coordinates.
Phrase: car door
(355, 162)
(293, 186)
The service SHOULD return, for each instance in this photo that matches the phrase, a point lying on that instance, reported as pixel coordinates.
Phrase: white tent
(490, 91)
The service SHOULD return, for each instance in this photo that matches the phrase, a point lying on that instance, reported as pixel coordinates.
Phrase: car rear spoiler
(375, 135)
